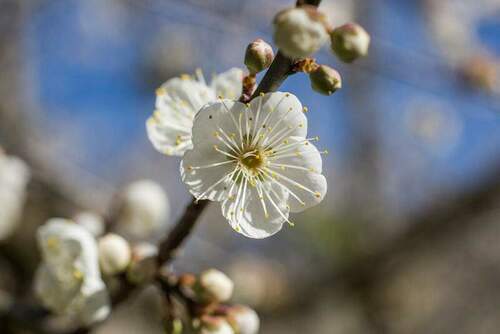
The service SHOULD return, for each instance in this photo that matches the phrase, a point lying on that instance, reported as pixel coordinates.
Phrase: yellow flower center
(253, 160)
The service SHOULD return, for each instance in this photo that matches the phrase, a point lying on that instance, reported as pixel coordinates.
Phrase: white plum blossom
(14, 177)
(177, 102)
(256, 160)
(143, 209)
(68, 282)
(91, 221)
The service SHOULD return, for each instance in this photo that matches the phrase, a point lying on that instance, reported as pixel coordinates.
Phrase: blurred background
(408, 237)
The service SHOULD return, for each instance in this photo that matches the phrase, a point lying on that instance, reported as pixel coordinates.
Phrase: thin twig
(170, 246)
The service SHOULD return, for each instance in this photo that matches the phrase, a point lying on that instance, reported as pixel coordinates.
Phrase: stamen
(293, 182)
(222, 179)
(215, 164)
(216, 148)
(287, 189)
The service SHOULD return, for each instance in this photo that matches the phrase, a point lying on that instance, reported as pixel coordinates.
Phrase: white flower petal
(278, 115)
(216, 122)
(177, 102)
(206, 182)
(215, 133)
(95, 301)
(68, 281)
(228, 84)
(54, 295)
(299, 170)
(250, 218)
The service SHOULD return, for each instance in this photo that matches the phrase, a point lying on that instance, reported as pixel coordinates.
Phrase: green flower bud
(259, 56)
(325, 80)
(349, 42)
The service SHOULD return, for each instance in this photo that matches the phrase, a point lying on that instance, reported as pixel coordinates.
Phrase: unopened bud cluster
(299, 32)
(211, 290)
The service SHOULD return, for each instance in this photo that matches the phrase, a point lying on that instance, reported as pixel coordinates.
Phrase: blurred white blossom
(433, 124)
(256, 160)
(91, 221)
(14, 177)
(114, 254)
(143, 209)
(454, 25)
(177, 102)
(68, 281)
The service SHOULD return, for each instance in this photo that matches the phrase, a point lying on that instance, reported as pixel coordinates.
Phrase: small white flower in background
(14, 177)
(215, 325)
(114, 254)
(256, 160)
(300, 32)
(177, 102)
(244, 320)
(143, 209)
(143, 264)
(68, 281)
(91, 221)
(215, 286)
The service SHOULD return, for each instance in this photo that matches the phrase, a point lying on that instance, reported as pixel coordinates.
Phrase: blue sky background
(90, 74)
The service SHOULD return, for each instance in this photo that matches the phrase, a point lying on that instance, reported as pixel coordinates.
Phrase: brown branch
(170, 246)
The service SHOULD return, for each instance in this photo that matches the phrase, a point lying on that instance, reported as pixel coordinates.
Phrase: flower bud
(325, 80)
(114, 254)
(301, 31)
(258, 56)
(143, 264)
(215, 325)
(349, 42)
(91, 222)
(243, 319)
(143, 209)
(215, 286)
